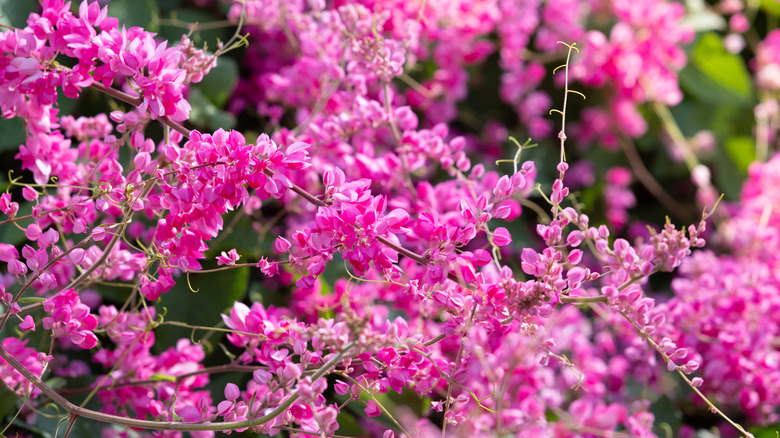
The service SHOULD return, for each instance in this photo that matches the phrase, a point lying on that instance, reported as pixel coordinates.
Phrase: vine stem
(448, 402)
(117, 94)
(378, 403)
(76, 411)
(71, 422)
(177, 378)
(663, 113)
(763, 132)
(16, 219)
(114, 239)
(679, 371)
(651, 184)
(562, 135)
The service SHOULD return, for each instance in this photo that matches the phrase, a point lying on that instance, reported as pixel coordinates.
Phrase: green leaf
(179, 22)
(771, 7)
(221, 119)
(163, 377)
(15, 12)
(11, 134)
(725, 121)
(142, 13)
(349, 424)
(56, 382)
(726, 175)
(168, 5)
(46, 425)
(742, 151)
(205, 113)
(217, 292)
(665, 411)
(716, 76)
(219, 84)
(771, 431)
(250, 244)
(8, 402)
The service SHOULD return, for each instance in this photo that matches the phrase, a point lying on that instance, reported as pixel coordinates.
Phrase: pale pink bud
(8, 252)
(77, 255)
(29, 193)
(341, 388)
(501, 237)
(575, 256)
(282, 245)
(701, 175)
(16, 267)
(232, 392)
(99, 233)
(372, 409)
(27, 324)
(262, 376)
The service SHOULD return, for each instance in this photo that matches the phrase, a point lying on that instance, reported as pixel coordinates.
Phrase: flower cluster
(154, 73)
(640, 58)
(29, 358)
(721, 301)
(70, 317)
(141, 384)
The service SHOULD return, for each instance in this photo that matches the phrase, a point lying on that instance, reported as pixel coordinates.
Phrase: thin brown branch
(651, 184)
(301, 192)
(135, 101)
(175, 126)
(208, 370)
(116, 94)
(76, 411)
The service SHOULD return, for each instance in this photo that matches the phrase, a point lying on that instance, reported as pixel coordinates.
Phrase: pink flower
(372, 409)
(77, 255)
(501, 236)
(99, 233)
(230, 258)
(281, 245)
(16, 267)
(27, 324)
(232, 392)
(8, 252)
(70, 317)
(29, 193)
